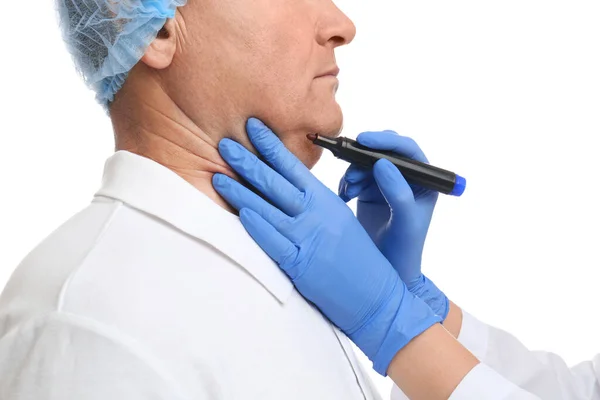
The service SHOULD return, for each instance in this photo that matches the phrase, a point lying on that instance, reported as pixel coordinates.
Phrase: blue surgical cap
(108, 37)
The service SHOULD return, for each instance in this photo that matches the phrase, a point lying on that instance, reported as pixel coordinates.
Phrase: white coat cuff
(483, 383)
(474, 335)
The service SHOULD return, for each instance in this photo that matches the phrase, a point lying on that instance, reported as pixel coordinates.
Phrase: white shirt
(156, 292)
(512, 372)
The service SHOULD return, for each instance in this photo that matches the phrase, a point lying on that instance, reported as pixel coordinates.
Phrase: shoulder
(59, 356)
(39, 278)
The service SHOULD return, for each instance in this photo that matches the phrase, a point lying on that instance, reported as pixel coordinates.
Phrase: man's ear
(160, 53)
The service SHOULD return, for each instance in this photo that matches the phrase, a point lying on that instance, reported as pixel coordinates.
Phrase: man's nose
(335, 27)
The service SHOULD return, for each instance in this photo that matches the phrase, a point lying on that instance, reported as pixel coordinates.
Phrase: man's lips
(331, 72)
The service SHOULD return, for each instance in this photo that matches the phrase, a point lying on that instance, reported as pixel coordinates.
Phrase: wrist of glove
(398, 321)
(427, 291)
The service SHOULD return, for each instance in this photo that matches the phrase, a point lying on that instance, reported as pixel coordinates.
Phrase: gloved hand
(321, 246)
(395, 214)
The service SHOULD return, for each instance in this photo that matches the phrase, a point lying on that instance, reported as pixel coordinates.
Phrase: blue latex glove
(318, 242)
(395, 214)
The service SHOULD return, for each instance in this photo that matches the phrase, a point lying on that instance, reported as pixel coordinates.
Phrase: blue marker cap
(460, 184)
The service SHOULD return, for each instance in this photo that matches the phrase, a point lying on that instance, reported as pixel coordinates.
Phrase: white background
(506, 93)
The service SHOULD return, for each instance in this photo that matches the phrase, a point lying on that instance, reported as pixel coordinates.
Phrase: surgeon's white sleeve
(544, 375)
(482, 383)
(61, 357)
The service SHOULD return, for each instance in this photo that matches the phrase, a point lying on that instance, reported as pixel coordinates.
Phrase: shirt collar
(154, 189)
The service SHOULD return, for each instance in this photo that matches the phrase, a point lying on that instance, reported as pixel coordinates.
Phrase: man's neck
(151, 125)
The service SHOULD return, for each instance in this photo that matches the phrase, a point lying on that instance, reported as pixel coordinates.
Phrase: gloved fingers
(275, 187)
(350, 191)
(355, 180)
(277, 246)
(277, 155)
(241, 197)
(423, 193)
(356, 173)
(394, 188)
(390, 140)
(342, 187)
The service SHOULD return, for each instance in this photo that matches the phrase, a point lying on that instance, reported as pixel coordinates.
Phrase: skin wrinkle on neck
(188, 132)
(180, 146)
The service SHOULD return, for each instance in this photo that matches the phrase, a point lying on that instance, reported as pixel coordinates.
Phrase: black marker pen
(414, 172)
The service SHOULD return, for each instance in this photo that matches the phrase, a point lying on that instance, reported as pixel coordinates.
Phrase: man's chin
(331, 127)
(326, 121)
(307, 152)
(312, 157)
(332, 123)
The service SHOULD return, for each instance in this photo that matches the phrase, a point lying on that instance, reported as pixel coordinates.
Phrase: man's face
(271, 59)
